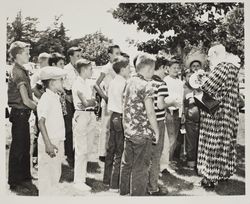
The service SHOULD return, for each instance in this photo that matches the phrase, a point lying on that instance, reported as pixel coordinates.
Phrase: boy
(116, 139)
(106, 76)
(140, 128)
(74, 54)
(160, 89)
(21, 103)
(52, 128)
(83, 121)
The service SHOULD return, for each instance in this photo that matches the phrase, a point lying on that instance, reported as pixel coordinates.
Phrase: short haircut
(119, 63)
(72, 50)
(144, 59)
(17, 47)
(161, 61)
(194, 62)
(124, 55)
(82, 63)
(112, 47)
(134, 60)
(174, 60)
(55, 58)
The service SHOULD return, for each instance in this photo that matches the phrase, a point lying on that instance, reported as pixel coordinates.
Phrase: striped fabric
(160, 88)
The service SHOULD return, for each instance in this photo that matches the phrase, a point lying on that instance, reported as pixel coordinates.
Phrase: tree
(53, 39)
(94, 47)
(192, 23)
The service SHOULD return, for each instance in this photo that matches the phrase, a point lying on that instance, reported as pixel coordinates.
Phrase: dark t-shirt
(18, 76)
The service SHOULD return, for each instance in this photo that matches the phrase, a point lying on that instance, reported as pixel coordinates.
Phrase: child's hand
(51, 150)
(156, 138)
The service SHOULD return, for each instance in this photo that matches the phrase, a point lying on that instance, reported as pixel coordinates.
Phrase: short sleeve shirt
(18, 76)
(135, 121)
(86, 87)
(49, 107)
(71, 76)
(160, 89)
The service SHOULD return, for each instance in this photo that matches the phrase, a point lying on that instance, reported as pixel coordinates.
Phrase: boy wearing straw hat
(51, 125)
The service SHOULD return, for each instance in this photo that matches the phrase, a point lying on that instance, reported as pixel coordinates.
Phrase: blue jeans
(134, 167)
(114, 152)
(19, 156)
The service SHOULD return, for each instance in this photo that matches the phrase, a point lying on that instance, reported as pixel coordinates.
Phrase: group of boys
(133, 114)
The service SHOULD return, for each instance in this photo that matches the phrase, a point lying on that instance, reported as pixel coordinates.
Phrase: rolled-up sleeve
(19, 78)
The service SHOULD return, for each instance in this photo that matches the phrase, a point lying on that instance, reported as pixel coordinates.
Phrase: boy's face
(150, 71)
(125, 72)
(174, 70)
(24, 56)
(76, 56)
(195, 66)
(88, 71)
(162, 70)
(116, 52)
(58, 84)
(60, 63)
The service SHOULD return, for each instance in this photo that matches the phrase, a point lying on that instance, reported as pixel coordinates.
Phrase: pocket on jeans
(117, 122)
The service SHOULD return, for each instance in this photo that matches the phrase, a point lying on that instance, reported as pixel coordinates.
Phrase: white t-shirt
(71, 76)
(115, 94)
(86, 87)
(175, 89)
(49, 107)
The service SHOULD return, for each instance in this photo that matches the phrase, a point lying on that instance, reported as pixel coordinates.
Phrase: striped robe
(217, 139)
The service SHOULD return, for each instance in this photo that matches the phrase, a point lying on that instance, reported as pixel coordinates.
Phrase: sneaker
(82, 186)
(20, 190)
(102, 158)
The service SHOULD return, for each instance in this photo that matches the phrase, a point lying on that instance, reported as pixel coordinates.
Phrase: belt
(91, 110)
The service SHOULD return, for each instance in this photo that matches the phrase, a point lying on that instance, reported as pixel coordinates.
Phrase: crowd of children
(138, 110)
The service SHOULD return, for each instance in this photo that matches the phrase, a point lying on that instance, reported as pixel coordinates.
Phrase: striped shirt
(160, 89)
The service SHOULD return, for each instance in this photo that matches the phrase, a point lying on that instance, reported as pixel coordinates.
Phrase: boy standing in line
(52, 128)
(21, 103)
(140, 128)
(83, 121)
(116, 139)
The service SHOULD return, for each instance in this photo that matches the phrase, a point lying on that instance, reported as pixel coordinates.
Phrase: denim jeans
(114, 152)
(19, 156)
(135, 167)
(68, 143)
(155, 159)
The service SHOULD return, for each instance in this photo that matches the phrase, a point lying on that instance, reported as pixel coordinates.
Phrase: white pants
(84, 135)
(50, 169)
(165, 154)
(104, 132)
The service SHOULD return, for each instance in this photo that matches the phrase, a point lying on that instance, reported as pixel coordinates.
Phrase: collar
(119, 77)
(157, 78)
(51, 93)
(141, 77)
(20, 67)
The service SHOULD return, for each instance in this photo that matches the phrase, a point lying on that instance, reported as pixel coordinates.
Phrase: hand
(92, 102)
(51, 150)
(69, 98)
(156, 138)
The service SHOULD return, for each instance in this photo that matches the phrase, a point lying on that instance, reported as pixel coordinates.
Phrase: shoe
(82, 186)
(29, 185)
(20, 190)
(102, 158)
(208, 184)
(160, 192)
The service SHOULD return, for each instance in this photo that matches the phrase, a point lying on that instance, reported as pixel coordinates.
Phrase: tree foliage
(192, 23)
(94, 47)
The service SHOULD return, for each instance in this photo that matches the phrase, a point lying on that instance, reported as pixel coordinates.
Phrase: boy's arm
(98, 88)
(152, 117)
(86, 103)
(36, 92)
(26, 100)
(49, 147)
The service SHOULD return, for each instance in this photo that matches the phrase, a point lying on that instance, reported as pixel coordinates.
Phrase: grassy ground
(179, 183)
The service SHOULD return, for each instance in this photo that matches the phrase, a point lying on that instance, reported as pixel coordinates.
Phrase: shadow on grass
(176, 184)
(231, 187)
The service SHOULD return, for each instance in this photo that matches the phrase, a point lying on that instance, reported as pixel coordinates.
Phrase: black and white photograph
(124, 99)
